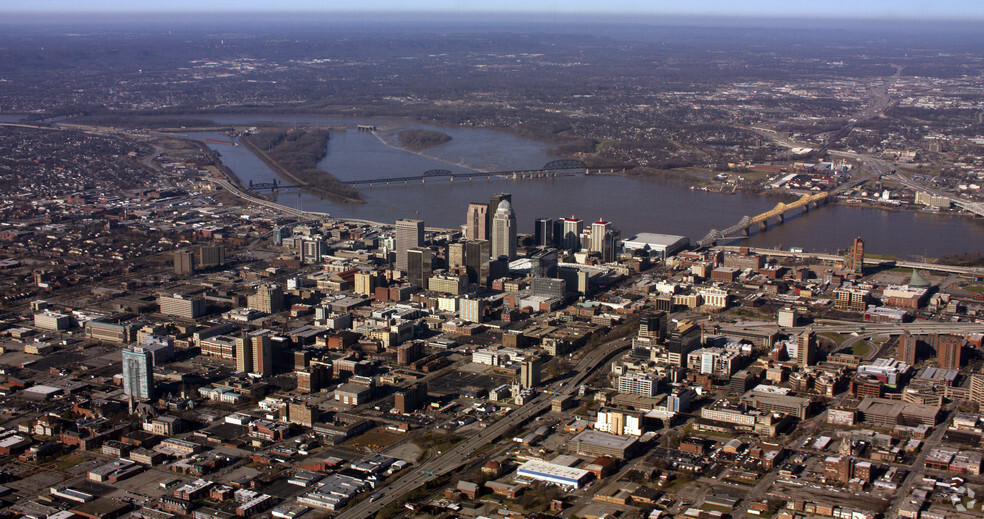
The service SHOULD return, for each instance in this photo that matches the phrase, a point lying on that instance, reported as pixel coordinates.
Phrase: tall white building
(571, 238)
(409, 234)
(504, 231)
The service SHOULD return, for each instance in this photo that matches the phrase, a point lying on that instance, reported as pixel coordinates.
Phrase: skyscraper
(420, 263)
(529, 372)
(855, 257)
(476, 221)
(504, 231)
(262, 356)
(653, 325)
(494, 202)
(543, 232)
(138, 373)
(806, 349)
(598, 231)
(572, 233)
(603, 240)
(477, 261)
(409, 234)
(544, 263)
(456, 254)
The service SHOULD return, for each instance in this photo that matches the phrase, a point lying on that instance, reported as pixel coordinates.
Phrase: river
(633, 204)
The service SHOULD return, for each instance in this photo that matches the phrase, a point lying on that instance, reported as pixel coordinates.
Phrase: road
(454, 458)
(916, 328)
(918, 468)
(309, 215)
(967, 205)
(952, 269)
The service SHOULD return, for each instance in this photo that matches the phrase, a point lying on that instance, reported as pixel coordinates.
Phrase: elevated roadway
(933, 267)
(283, 209)
(973, 207)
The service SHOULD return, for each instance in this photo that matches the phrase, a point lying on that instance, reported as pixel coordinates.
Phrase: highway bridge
(307, 215)
(778, 212)
(933, 267)
(556, 168)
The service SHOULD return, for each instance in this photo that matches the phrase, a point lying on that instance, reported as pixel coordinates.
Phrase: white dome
(504, 207)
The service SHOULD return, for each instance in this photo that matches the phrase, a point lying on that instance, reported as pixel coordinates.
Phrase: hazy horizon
(485, 19)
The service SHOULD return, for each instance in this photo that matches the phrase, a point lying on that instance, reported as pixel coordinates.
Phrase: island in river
(294, 154)
(420, 140)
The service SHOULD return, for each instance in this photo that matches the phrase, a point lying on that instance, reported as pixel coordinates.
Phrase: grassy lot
(69, 461)
(375, 439)
(836, 337)
(860, 349)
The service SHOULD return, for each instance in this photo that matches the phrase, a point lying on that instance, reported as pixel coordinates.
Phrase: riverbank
(294, 156)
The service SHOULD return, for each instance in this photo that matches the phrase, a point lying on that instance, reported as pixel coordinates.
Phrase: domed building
(504, 231)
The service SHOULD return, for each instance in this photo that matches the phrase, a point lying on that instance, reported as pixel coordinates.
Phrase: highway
(953, 269)
(915, 328)
(974, 207)
(454, 458)
(309, 215)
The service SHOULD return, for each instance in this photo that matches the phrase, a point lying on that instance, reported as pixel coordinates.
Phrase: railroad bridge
(778, 213)
(271, 186)
(556, 168)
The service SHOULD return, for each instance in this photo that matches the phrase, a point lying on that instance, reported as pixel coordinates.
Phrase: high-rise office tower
(806, 349)
(504, 231)
(494, 202)
(544, 263)
(558, 233)
(604, 240)
(476, 221)
(456, 254)
(598, 231)
(855, 257)
(477, 261)
(573, 227)
(262, 356)
(420, 266)
(529, 372)
(184, 262)
(653, 325)
(409, 234)
(543, 232)
(138, 373)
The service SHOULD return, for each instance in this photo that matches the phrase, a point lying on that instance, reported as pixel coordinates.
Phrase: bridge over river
(556, 168)
(778, 212)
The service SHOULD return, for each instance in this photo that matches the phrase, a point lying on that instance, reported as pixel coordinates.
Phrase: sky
(963, 10)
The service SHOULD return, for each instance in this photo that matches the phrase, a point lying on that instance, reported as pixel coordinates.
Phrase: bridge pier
(781, 219)
(764, 224)
(744, 232)
(806, 208)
